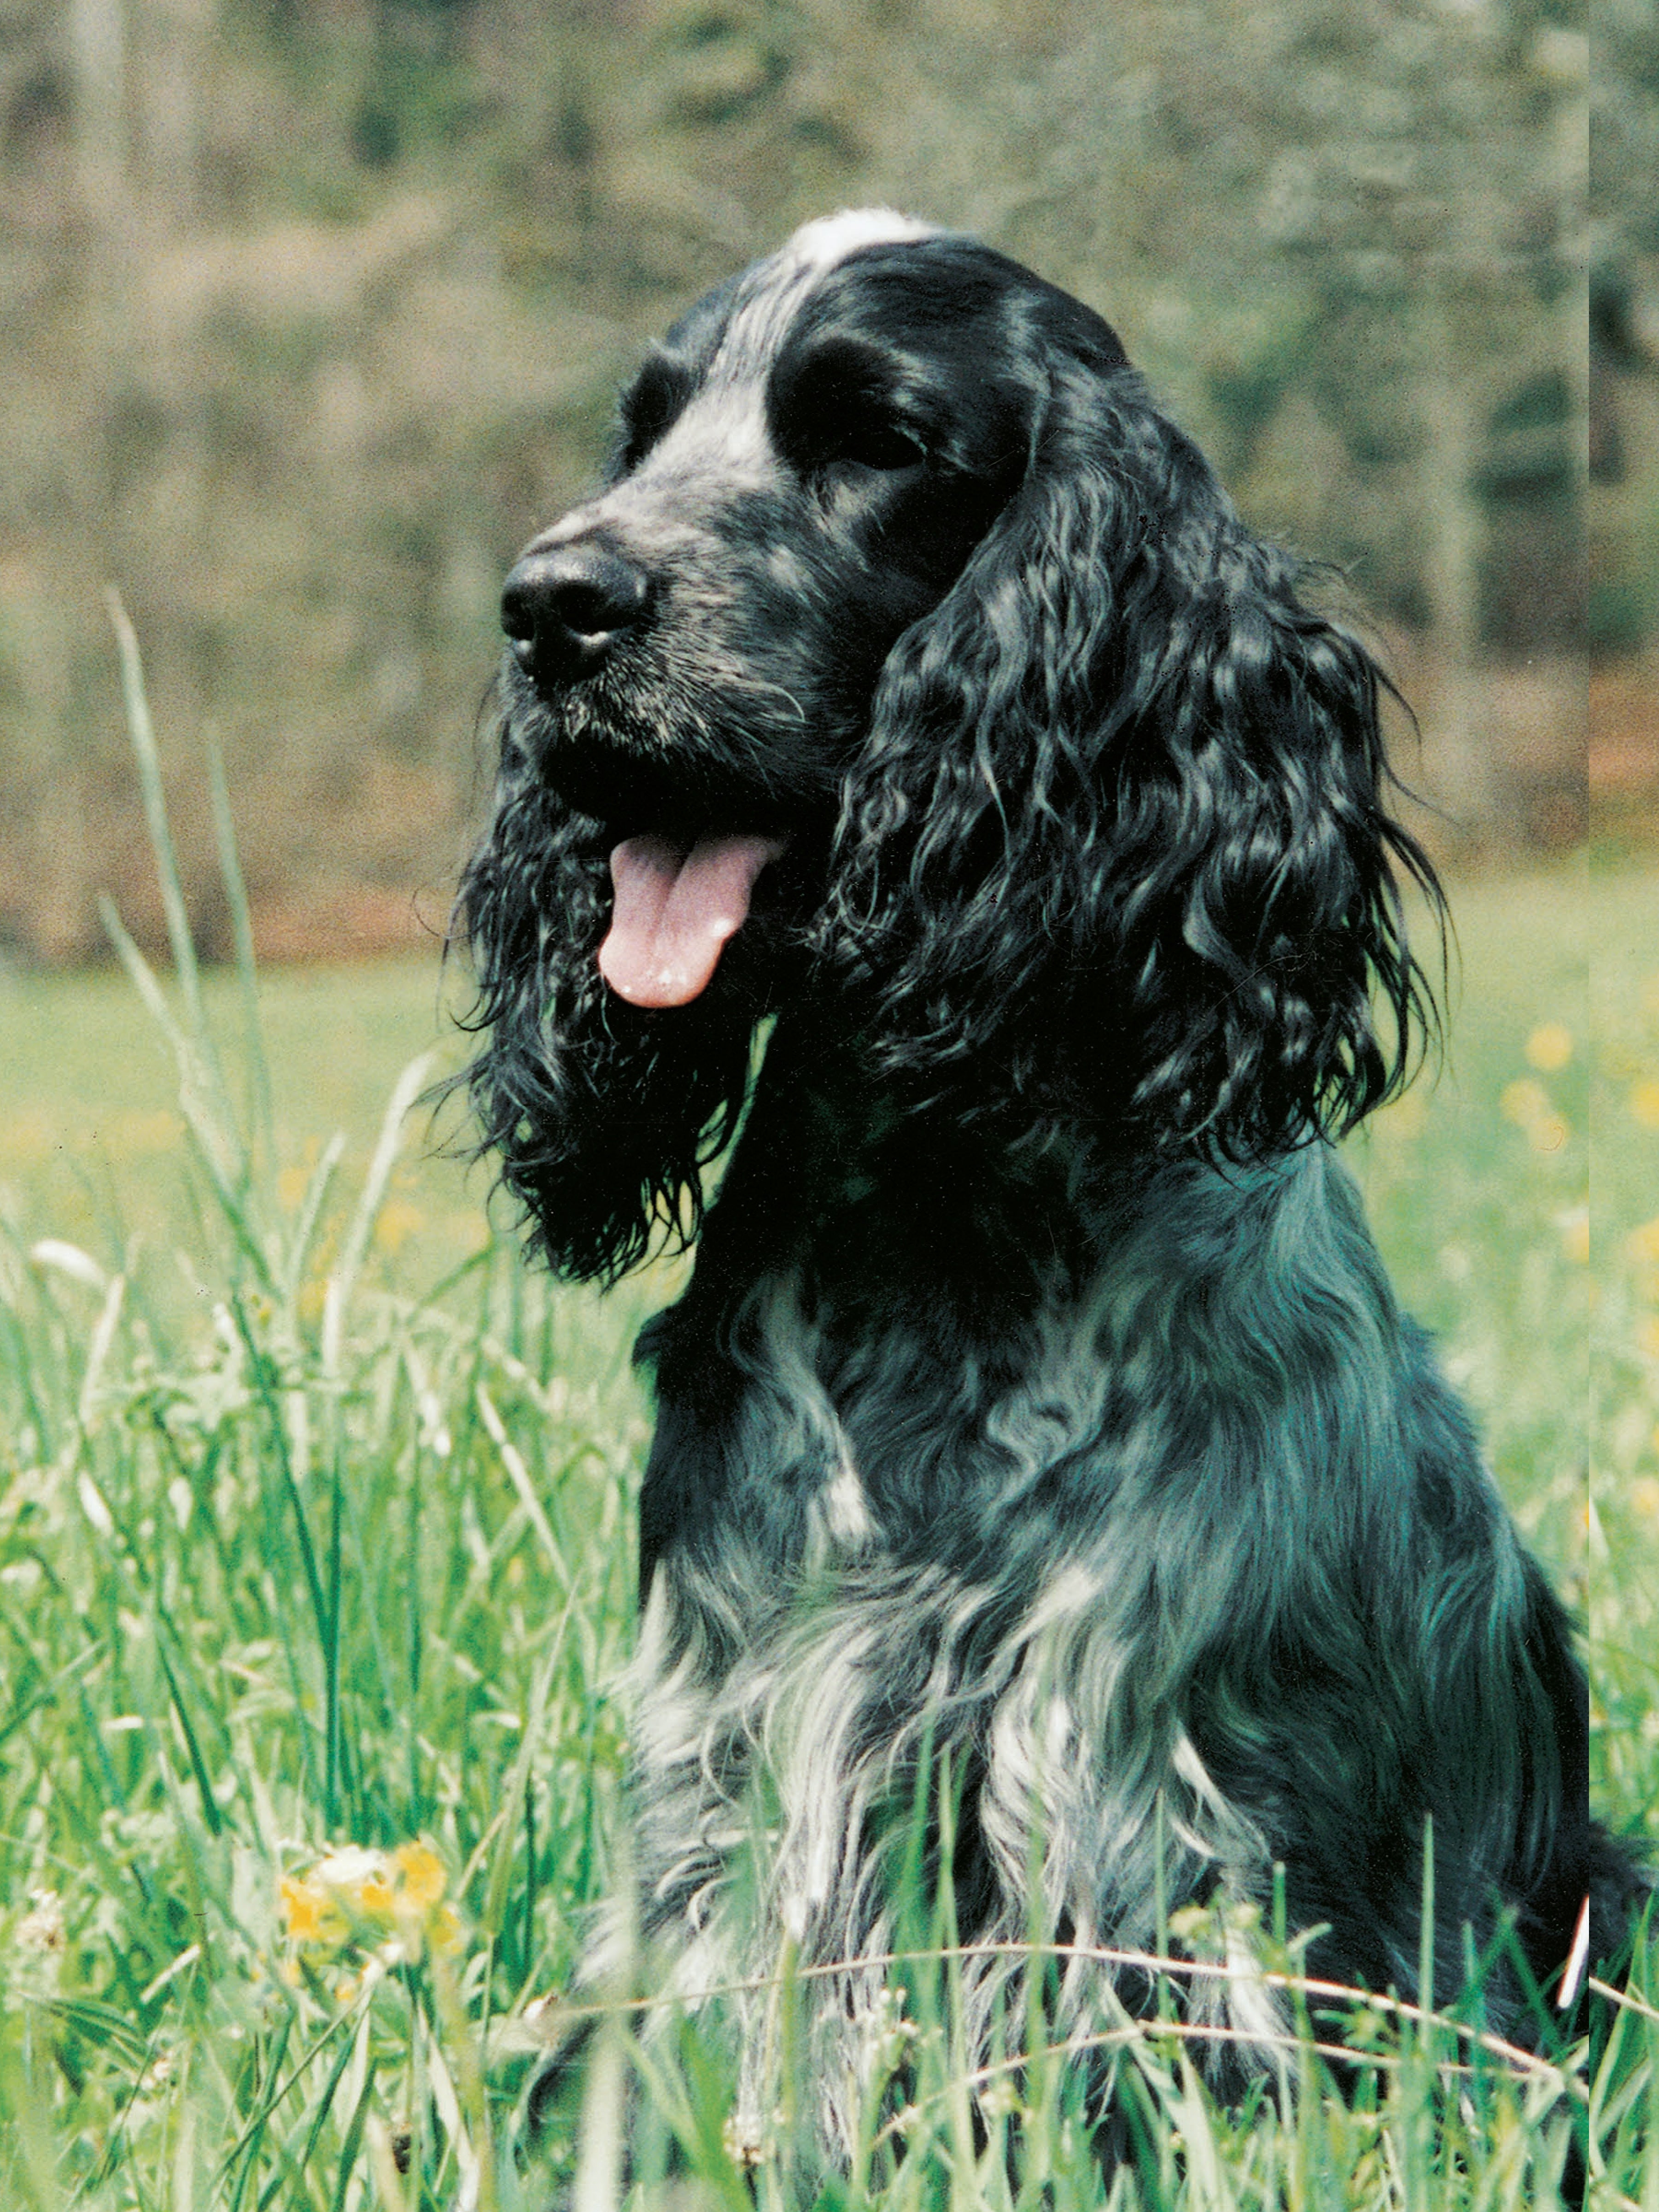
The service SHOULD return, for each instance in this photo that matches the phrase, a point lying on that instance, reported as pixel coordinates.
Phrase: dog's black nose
(564, 608)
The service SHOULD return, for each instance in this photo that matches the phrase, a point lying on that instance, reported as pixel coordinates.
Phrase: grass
(316, 1573)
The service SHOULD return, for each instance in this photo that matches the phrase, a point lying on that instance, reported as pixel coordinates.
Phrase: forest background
(310, 313)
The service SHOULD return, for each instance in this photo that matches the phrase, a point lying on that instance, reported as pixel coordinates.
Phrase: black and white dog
(1039, 1407)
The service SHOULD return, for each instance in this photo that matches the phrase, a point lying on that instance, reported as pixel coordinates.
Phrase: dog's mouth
(677, 905)
(682, 872)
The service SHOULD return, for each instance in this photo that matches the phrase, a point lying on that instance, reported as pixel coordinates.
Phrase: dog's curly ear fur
(1117, 845)
(600, 1116)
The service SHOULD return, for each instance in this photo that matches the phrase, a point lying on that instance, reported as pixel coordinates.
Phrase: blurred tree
(314, 310)
(1624, 330)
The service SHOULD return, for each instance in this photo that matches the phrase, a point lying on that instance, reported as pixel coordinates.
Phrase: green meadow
(316, 1579)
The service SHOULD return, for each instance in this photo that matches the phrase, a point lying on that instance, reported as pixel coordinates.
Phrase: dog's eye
(844, 403)
(874, 441)
(649, 408)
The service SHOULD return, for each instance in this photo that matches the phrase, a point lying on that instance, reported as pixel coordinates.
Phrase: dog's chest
(886, 1520)
(917, 1444)
(1031, 1555)
(918, 1576)
(903, 1539)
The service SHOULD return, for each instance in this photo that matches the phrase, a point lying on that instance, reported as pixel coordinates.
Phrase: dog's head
(909, 667)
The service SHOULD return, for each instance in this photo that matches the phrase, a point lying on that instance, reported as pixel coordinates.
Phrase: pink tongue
(673, 912)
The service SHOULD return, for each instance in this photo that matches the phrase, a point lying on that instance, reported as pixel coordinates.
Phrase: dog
(910, 696)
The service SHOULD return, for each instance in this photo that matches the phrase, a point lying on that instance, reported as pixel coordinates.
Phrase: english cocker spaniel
(1038, 1413)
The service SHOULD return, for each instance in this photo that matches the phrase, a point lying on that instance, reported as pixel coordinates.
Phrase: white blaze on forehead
(777, 286)
(723, 431)
(831, 238)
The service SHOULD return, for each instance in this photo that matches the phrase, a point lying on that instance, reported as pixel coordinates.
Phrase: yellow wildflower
(292, 1184)
(1550, 1047)
(421, 1879)
(1643, 1243)
(1644, 1498)
(363, 1898)
(1644, 1102)
(346, 1869)
(395, 1223)
(310, 1914)
(1647, 1336)
(374, 1898)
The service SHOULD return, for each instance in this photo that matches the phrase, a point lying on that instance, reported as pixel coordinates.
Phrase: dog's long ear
(1117, 845)
(601, 1116)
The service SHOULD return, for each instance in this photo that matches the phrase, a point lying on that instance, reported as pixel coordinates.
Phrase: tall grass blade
(103, 1337)
(217, 1143)
(515, 1795)
(265, 1384)
(341, 1283)
(141, 733)
(247, 2147)
(334, 1751)
(354, 2139)
(519, 1474)
(599, 2149)
(210, 1812)
(261, 1145)
(318, 2121)
(305, 1227)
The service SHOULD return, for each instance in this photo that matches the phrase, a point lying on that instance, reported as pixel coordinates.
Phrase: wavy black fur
(603, 1117)
(1035, 1335)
